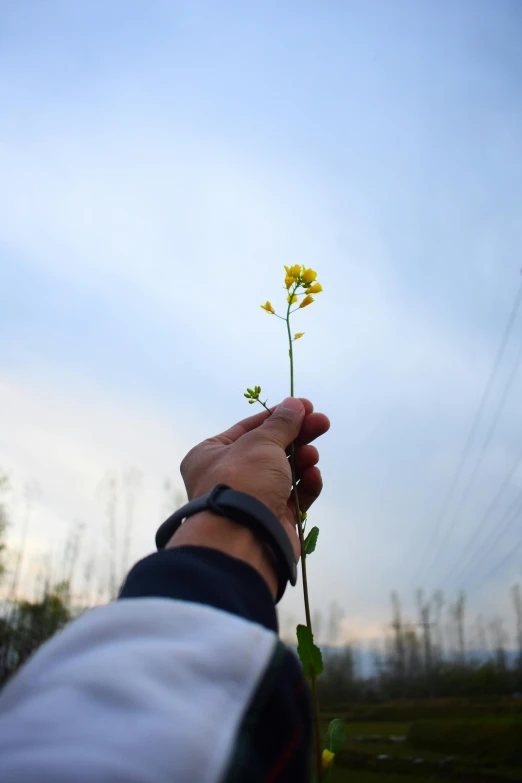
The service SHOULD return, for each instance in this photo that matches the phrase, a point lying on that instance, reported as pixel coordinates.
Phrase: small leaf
(251, 392)
(251, 402)
(335, 736)
(311, 541)
(309, 653)
(246, 395)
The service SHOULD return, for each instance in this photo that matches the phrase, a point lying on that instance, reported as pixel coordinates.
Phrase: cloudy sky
(160, 162)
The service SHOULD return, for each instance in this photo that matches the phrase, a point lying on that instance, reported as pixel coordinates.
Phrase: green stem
(315, 705)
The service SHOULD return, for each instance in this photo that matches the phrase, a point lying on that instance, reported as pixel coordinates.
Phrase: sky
(160, 162)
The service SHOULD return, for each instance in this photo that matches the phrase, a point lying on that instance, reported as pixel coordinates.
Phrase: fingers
(314, 425)
(305, 457)
(308, 490)
(242, 427)
(252, 422)
(284, 425)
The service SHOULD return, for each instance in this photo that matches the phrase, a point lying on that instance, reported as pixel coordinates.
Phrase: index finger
(252, 422)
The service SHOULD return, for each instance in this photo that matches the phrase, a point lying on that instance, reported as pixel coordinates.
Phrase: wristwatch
(245, 510)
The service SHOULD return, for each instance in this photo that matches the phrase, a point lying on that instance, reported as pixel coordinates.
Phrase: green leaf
(251, 392)
(309, 653)
(311, 541)
(336, 736)
(246, 395)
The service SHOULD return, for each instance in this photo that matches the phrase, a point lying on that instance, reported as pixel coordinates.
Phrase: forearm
(207, 529)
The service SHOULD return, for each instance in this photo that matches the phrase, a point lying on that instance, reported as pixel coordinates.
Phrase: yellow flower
(306, 301)
(298, 335)
(328, 758)
(308, 275)
(293, 271)
(316, 288)
(268, 307)
(292, 298)
(289, 281)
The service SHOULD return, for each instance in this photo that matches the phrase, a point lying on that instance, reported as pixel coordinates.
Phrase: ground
(488, 751)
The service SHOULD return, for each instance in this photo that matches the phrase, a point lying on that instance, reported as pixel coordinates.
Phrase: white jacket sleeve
(144, 690)
(183, 679)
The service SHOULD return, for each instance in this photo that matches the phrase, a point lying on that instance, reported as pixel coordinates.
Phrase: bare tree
(287, 624)
(399, 651)
(31, 493)
(334, 621)
(457, 614)
(317, 624)
(479, 637)
(517, 601)
(131, 483)
(438, 605)
(89, 569)
(72, 552)
(424, 609)
(174, 499)
(499, 639)
(4, 519)
(108, 491)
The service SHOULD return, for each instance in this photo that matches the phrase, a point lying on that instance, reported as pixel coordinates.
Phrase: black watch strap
(245, 510)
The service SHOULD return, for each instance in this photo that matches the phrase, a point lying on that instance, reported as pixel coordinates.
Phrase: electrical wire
(510, 516)
(503, 562)
(456, 568)
(471, 436)
(476, 470)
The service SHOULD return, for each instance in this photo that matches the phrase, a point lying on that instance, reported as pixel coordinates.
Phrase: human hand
(251, 457)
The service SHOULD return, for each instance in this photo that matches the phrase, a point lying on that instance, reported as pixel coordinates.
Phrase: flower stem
(315, 705)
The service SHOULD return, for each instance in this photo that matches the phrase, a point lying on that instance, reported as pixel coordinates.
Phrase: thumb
(284, 425)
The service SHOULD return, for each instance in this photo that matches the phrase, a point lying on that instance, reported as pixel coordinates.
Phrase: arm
(183, 678)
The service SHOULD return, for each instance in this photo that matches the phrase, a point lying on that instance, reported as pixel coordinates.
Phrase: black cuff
(203, 576)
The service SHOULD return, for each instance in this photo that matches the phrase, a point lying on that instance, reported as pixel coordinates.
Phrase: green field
(482, 749)
(356, 776)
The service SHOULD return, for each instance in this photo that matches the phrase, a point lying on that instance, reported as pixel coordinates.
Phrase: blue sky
(162, 161)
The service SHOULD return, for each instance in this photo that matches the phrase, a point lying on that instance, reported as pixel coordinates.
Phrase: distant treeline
(439, 654)
(418, 660)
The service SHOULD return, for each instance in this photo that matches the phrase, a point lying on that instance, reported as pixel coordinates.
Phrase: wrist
(209, 530)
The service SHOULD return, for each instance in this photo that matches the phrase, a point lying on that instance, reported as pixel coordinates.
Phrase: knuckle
(186, 462)
(285, 417)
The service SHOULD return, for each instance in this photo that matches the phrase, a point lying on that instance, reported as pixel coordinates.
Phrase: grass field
(485, 749)
(357, 776)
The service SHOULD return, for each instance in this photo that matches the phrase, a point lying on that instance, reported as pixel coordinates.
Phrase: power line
(477, 530)
(502, 562)
(510, 516)
(473, 477)
(471, 436)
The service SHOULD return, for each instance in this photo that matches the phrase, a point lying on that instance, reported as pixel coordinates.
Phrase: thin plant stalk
(315, 705)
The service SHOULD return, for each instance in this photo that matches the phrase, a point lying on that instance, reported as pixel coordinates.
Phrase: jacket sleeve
(182, 679)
